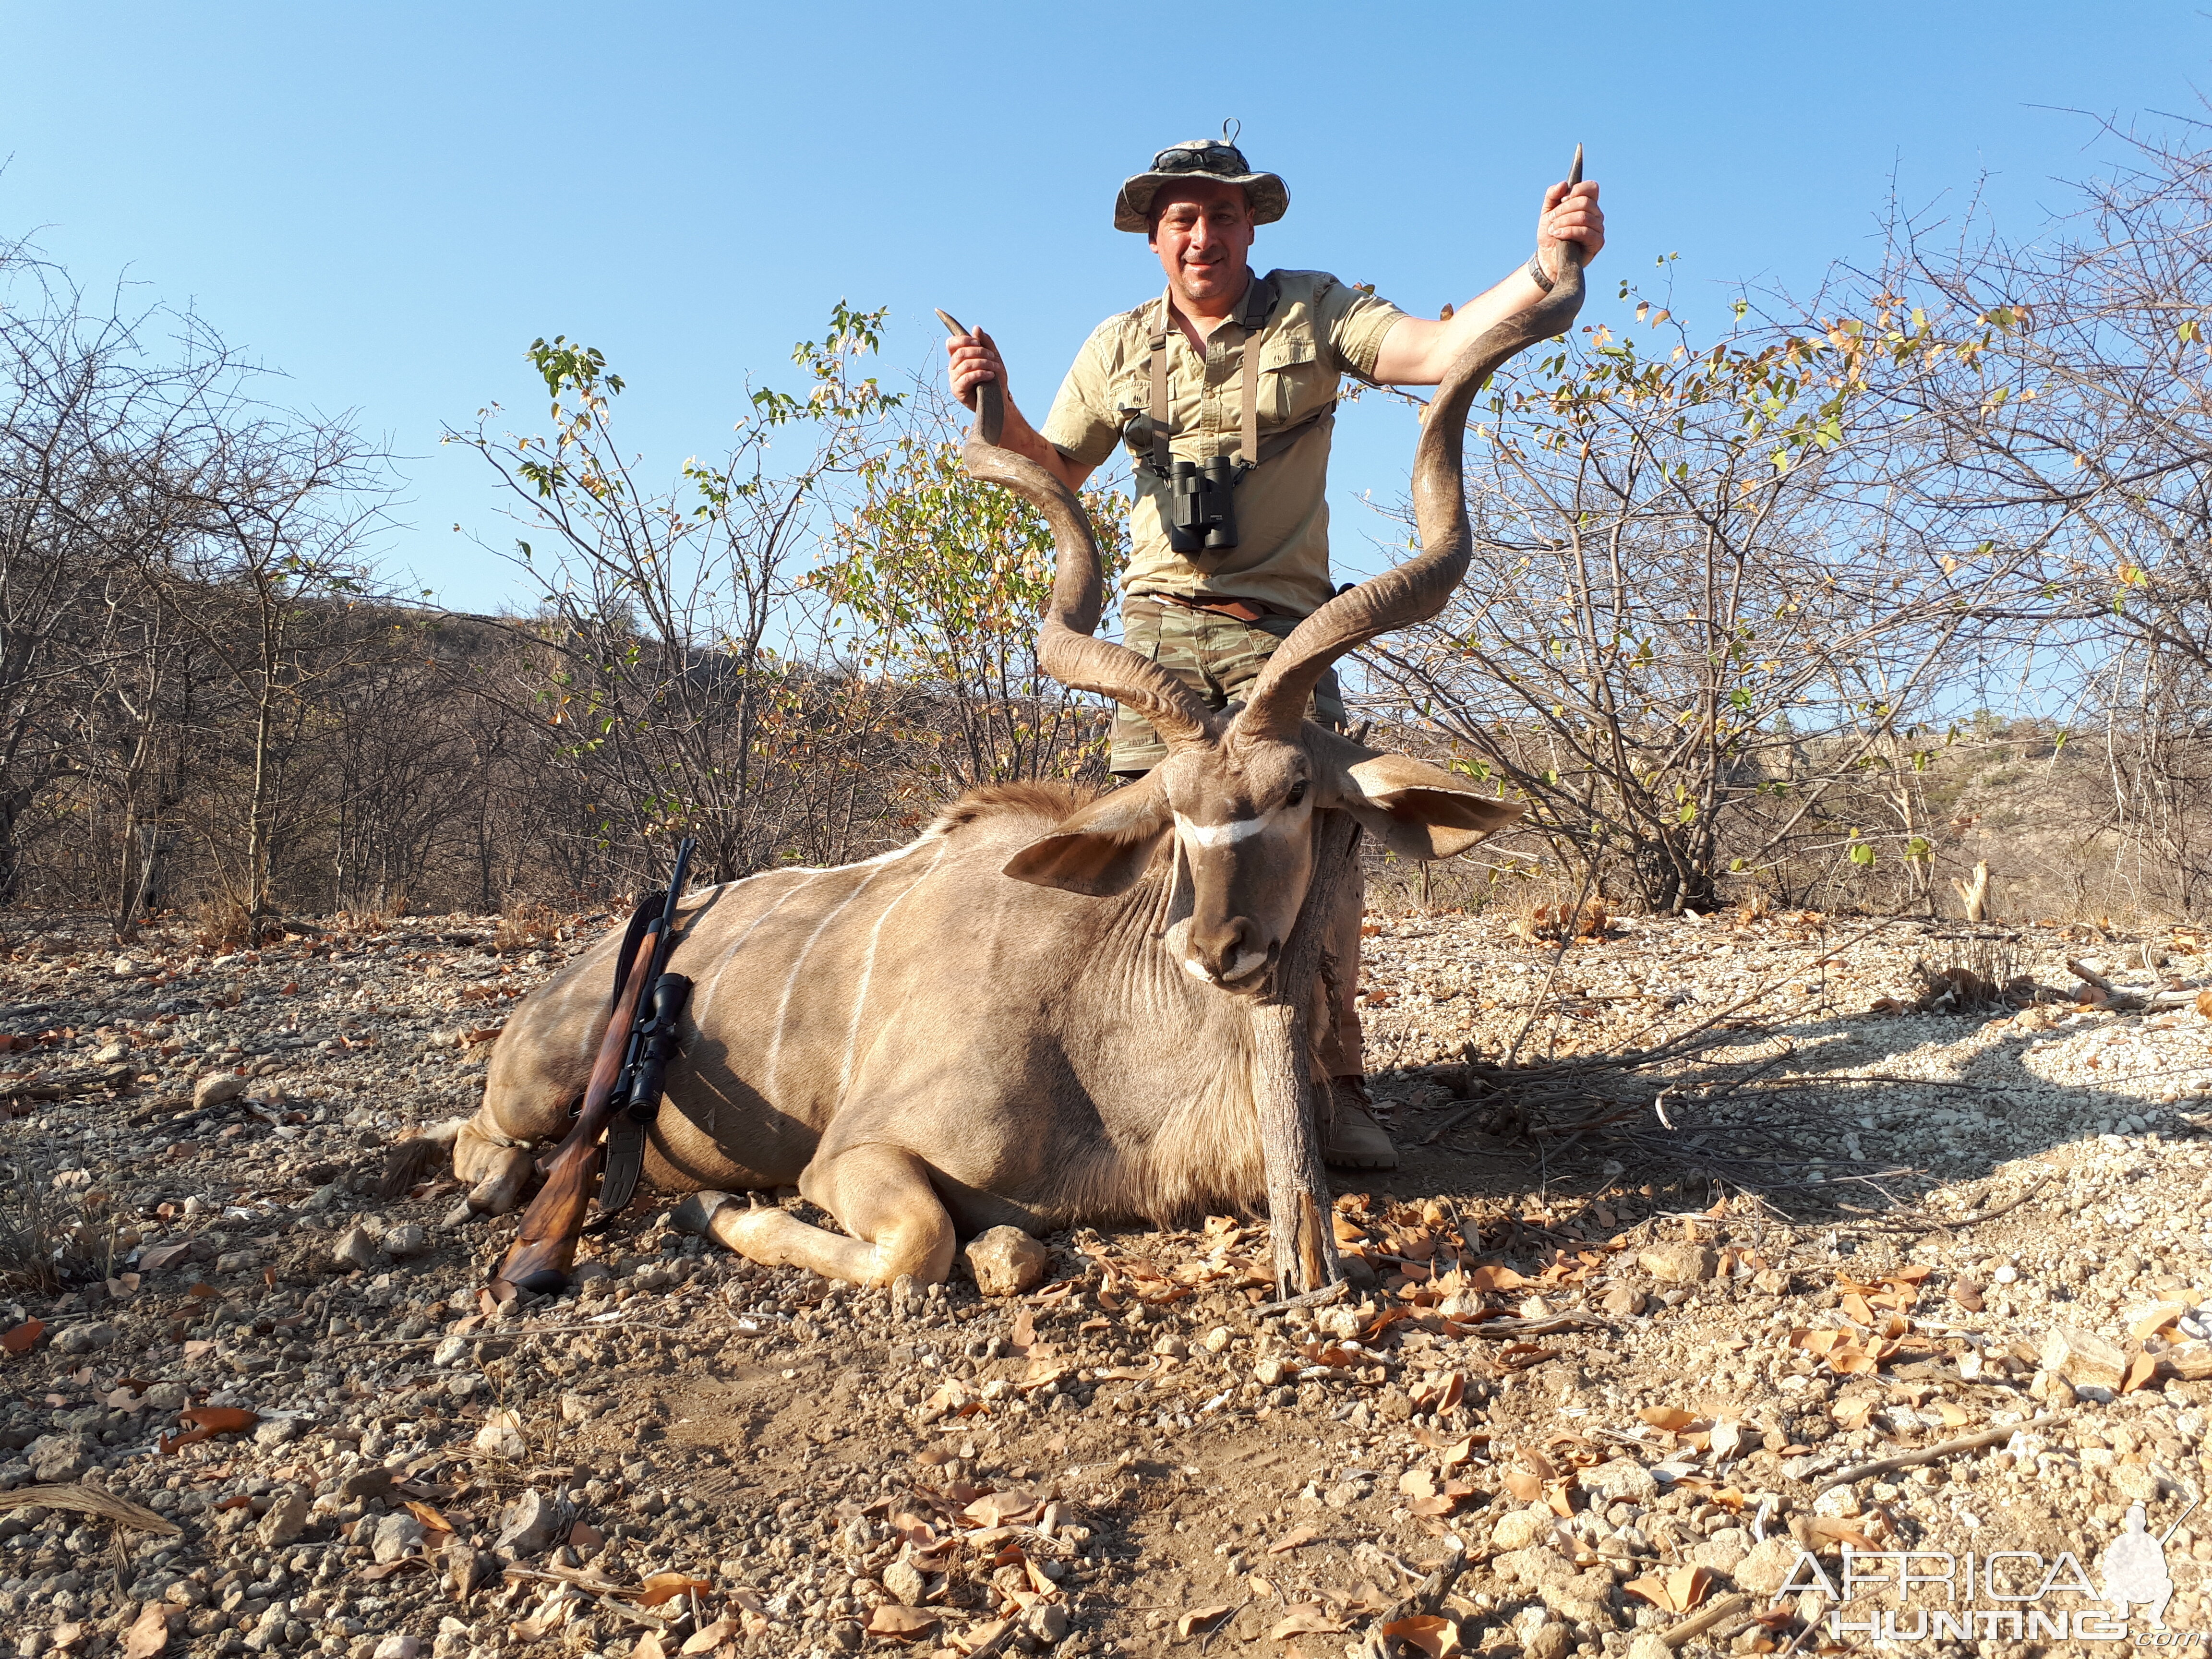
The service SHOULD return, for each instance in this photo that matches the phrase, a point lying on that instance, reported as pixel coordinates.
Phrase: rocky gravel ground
(1735, 1265)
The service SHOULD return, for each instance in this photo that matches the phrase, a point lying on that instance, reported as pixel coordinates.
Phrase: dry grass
(1982, 976)
(1552, 921)
(43, 1236)
(523, 925)
(220, 924)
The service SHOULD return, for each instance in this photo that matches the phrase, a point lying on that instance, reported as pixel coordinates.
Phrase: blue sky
(387, 202)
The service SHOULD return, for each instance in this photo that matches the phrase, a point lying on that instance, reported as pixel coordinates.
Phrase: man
(1224, 391)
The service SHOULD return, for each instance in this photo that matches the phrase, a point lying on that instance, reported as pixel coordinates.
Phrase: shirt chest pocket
(1292, 381)
(1129, 394)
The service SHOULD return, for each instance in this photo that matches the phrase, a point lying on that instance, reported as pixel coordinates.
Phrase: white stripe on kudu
(713, 976)
(791, 979)
(868, 971)
(1224, 835)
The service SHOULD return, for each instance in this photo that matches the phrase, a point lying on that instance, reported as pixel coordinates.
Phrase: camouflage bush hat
(1200, 158)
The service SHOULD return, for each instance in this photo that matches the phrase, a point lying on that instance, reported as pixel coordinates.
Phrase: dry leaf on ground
(1495, 1277)
(1201, 1620)
(1431, 1633)
(207, 1422)
(902, 1624)
(666, 1586)
(149, 1633)
(1306, 1618)
(1672, 1592)
(1828, 1529)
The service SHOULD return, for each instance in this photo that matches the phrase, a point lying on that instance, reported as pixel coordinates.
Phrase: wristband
(1536, 271)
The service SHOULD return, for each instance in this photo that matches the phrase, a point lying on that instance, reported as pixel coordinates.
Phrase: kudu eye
(1297, 793)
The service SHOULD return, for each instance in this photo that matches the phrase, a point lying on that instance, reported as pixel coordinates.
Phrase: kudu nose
(1228, 950)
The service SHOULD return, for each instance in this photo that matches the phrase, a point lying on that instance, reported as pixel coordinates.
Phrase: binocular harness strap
(1248, 454)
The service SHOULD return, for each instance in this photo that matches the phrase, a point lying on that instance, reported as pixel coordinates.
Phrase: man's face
(1202, 232)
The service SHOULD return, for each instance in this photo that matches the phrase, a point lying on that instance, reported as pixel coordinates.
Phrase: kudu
(1038, 1012)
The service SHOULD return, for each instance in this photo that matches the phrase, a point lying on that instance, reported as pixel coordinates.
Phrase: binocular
(1202, 505)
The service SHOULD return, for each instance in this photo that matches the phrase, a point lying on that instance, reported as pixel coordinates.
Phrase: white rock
(1840, 1503)
(528, 1525)
(286, 1520)
(1048, 1621)
(1006, 1261)
(1763, 1570)
(2083, 1358)
(500, 1436)
(1518, 1528)
(1338, 1322)
(1621, 1480)
(398, 1535)
(214, 1088)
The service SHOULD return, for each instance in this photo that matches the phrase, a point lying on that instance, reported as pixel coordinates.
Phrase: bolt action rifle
(619, 1102)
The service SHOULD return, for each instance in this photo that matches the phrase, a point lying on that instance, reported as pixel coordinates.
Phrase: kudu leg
(881, 1194)
(496, 1173)
(497, 1170)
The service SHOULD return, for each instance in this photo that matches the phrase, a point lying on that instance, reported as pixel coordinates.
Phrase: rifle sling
(647, 911)
(624, 1165)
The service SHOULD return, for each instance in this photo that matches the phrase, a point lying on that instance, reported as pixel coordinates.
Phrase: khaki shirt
(1312, 330)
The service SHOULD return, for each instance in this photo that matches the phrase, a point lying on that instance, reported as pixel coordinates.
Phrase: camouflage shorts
(1218, 657)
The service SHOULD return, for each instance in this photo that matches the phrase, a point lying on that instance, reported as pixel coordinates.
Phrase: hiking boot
(1354, 1139)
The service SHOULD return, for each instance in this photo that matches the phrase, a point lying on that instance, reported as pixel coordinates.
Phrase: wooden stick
(2122, 1000)
(91, 1500)
(1425, 1600)
(1298, 1207)
(1497, 1329)
(1930, 1453)
(1727, 1607)
(595, 1591)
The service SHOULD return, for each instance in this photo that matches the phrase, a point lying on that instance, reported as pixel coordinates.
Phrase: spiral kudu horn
(1065, 649)
(1416, 590)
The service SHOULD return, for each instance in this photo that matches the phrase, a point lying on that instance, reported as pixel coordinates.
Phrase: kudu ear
(1100, 849)
(1416, 810)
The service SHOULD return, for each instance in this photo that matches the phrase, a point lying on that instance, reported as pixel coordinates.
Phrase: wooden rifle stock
(545, 1247)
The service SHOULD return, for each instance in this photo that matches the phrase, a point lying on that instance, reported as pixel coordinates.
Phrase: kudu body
(1038, 1012)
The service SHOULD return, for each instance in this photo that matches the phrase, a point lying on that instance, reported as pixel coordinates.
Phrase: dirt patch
(1614, 1327)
